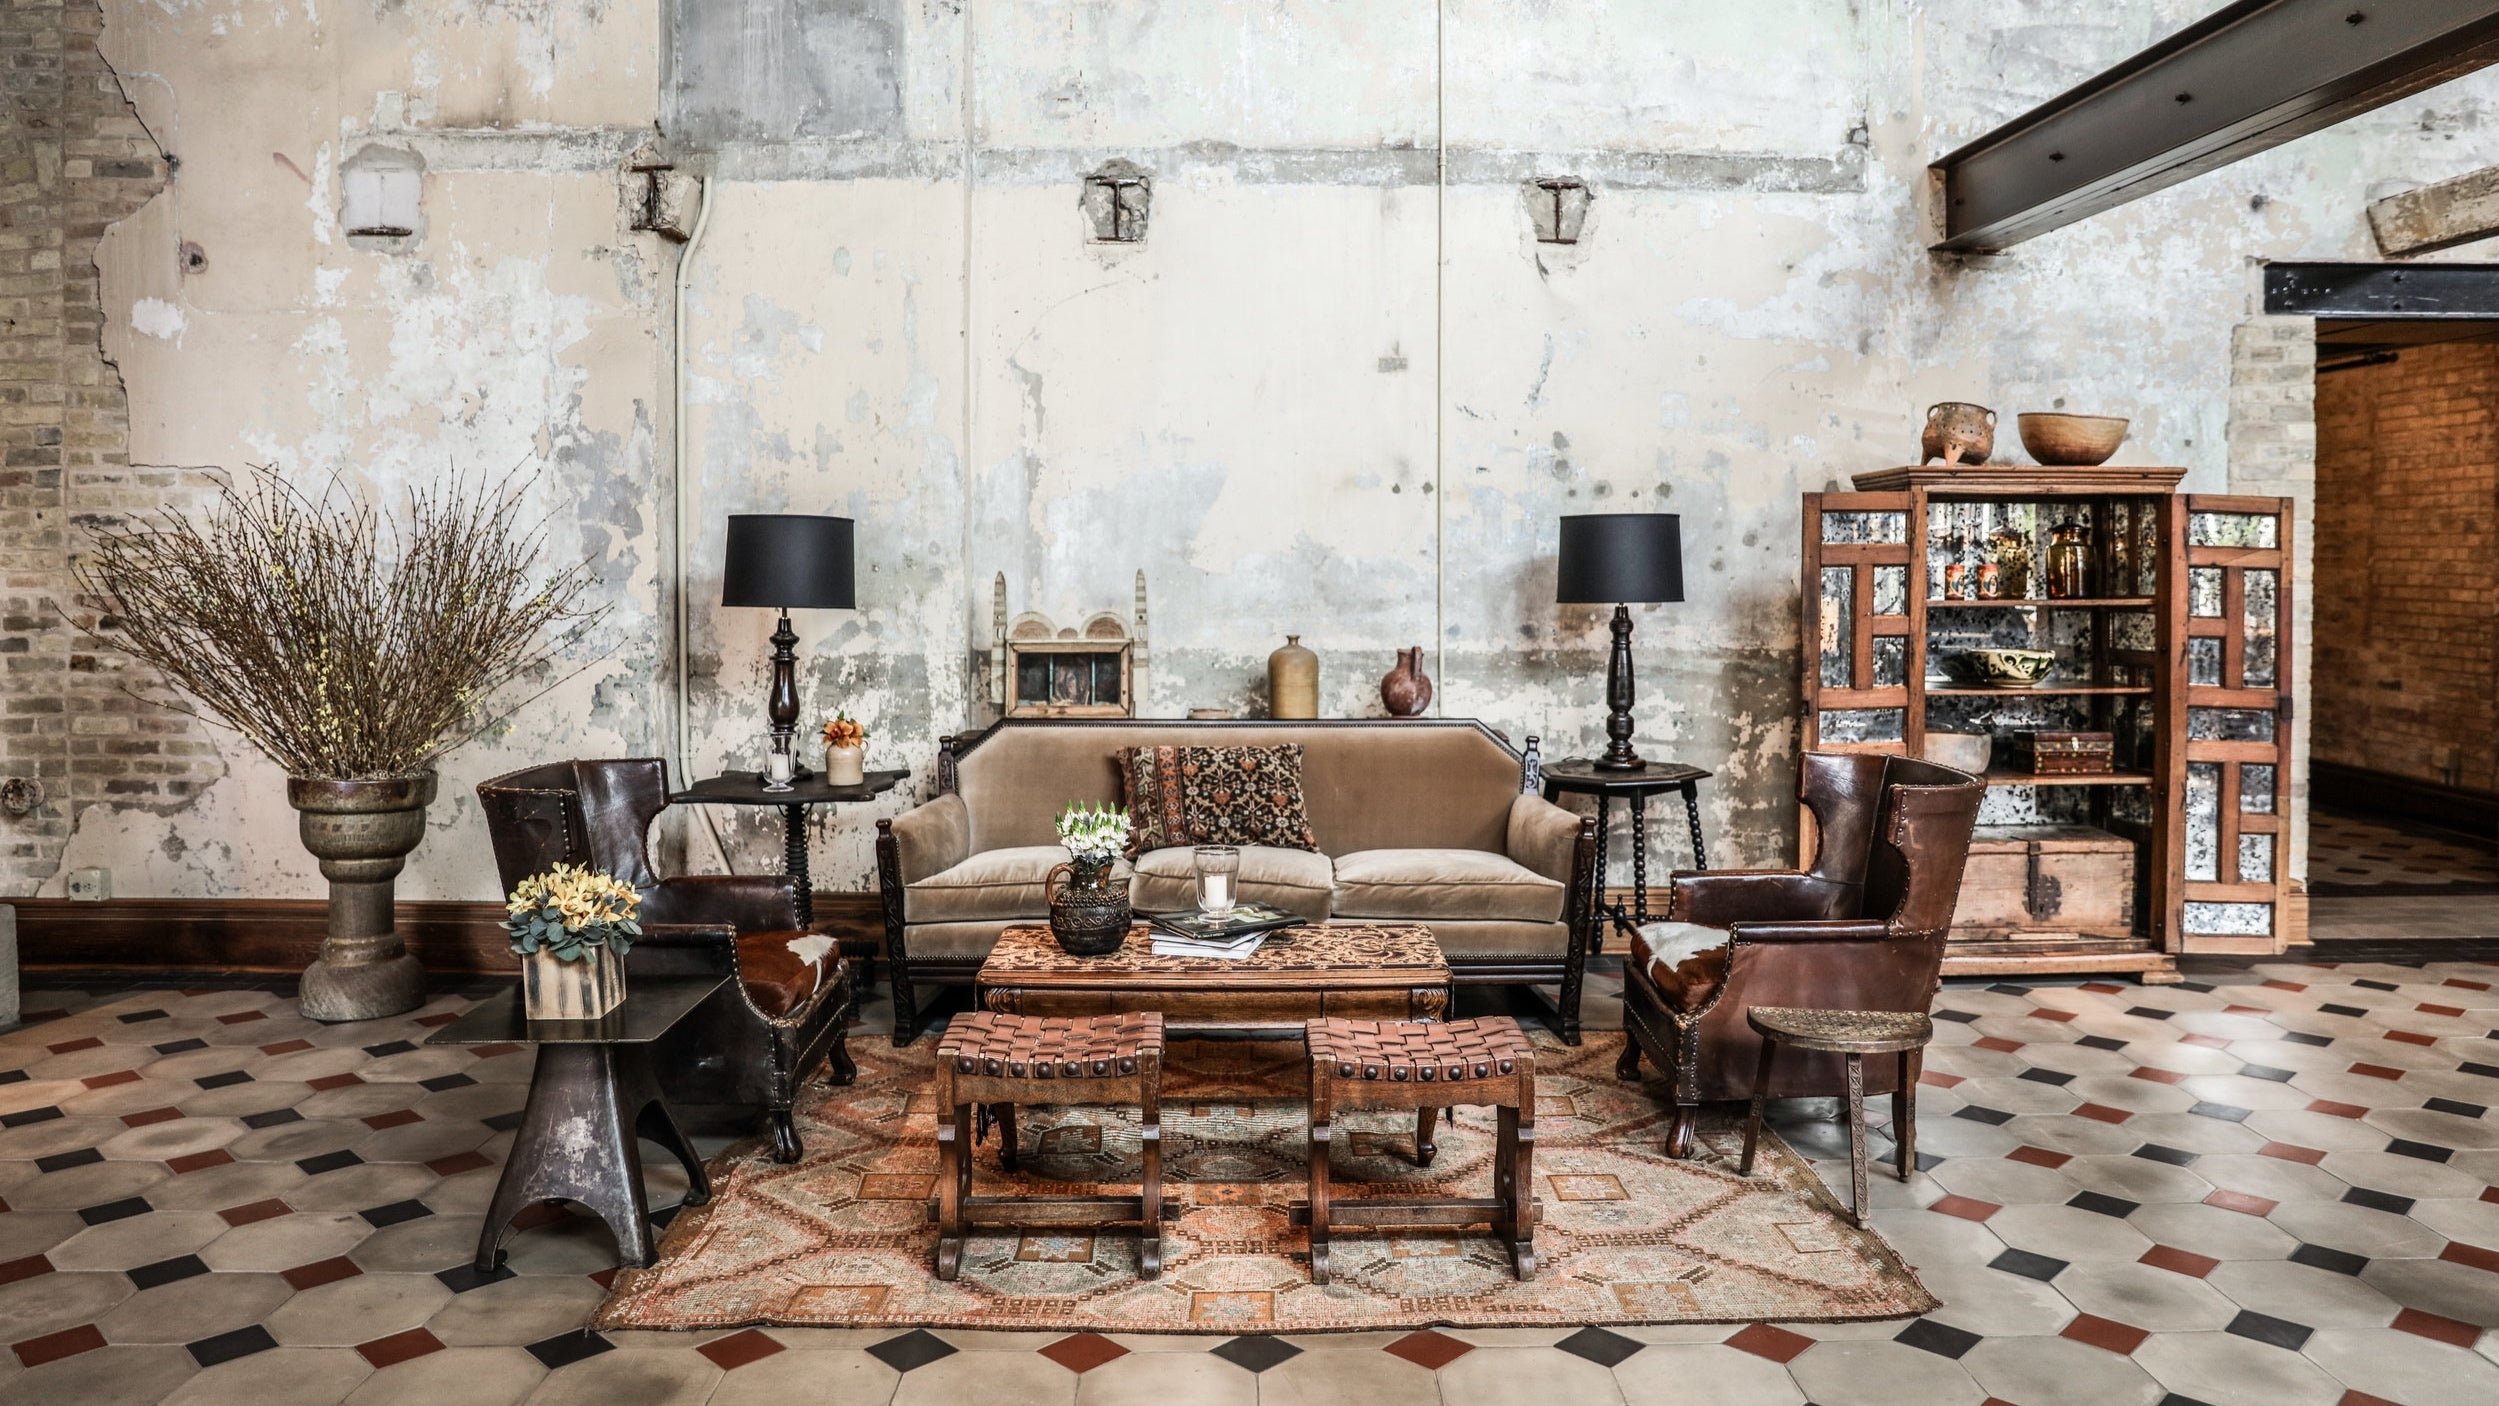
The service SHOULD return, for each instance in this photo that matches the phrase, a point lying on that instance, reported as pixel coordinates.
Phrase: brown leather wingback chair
(1862, 928)
(759, 1036)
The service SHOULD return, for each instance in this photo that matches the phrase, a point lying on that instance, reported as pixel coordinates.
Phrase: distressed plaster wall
(1339, 390)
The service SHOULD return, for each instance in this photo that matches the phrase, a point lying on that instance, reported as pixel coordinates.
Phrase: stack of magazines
(1229, 936)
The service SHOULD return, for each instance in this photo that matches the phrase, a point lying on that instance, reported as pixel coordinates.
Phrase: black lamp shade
(787, 561)
(1620, 558)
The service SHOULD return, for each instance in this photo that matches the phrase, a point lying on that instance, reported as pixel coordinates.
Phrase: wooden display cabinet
(2179, 649)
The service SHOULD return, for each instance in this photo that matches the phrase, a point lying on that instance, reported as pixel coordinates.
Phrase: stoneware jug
(1406, 690)
(1292, 681)
(1958, 432)
(1089, 915)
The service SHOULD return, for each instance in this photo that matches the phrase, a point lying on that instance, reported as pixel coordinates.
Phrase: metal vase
(361, 831)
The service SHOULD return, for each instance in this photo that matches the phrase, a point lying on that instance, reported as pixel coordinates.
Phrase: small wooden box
(2065, 753)
(2046, 880)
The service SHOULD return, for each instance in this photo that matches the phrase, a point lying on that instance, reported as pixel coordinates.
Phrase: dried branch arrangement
(344, 645)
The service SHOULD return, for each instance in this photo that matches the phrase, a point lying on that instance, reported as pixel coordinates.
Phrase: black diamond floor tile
(63, 1161)
(2154, 1152)
(384, 1051)
(2267, 1073)
(1942, 1339)
(272, 1118)
(2225, 1112)
(395, 1213)
(139, 1017)
(2485, 1071)
(123, 1209)
(2055, 1078)
(503, 1122)
(1257, 1354)
(1599, 1346)
(2101, 1042)
(444, 1083)
(175, 1047)
(2319, 1257)
(329, 1162)
(912, 1350)
(2302, 1037)
(2332, 1009)
(565, 1349)
(148, 1276)
(2426, 1151)
(461, 1278)
(2174, 1399)
(1957, 1017)
(1992, 1117)
(2200, 988)
(2264, 1328)
(219, 1081)
(2149, 1013)
(2386, 1201)
(2457, 1107)
(24, 1116)
(1928, 1161)
(13, 1076)
(225, 1347)
(2003, 988)
(2104, 1204)
(2375, 985)
(2030, 1266)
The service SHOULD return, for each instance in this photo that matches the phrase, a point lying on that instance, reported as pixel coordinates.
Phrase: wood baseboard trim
(2341, 787)
(283, 934)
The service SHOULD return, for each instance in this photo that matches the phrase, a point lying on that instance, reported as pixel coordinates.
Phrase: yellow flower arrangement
(840, 731)
(571, 909)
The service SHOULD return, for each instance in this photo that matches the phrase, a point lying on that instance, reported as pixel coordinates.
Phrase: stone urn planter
(362, 832)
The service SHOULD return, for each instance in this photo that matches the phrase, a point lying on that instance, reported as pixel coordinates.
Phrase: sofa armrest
(1721, 898)
(1542, 837)
(746, 902)
(933, 837)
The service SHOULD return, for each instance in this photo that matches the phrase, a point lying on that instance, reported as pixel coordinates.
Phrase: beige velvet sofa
(1421, 820)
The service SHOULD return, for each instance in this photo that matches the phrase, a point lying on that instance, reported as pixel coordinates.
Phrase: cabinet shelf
(2044, 690)
(2076, 603)
(2101, 778)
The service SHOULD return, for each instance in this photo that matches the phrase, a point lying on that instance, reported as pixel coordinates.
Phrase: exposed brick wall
(2407, 591)
(74, 158)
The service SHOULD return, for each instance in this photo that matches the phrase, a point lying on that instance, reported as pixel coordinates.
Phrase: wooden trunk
(555, 989)
(2046, 881)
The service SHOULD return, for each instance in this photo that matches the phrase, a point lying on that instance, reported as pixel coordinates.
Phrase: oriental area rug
(843, 1237)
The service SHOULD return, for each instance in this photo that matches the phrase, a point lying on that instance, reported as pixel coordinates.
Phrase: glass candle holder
(779, 761)
(1218, 875)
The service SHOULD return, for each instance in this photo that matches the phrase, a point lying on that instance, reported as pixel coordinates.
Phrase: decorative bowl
(1962, 751)
(2012, 668)
(2071, 439)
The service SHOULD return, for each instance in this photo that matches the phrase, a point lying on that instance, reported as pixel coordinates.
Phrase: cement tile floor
(2271, 1185)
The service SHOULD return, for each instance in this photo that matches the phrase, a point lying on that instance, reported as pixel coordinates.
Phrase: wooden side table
(1579, 776)
(746, 788)
(591, 1094)
(1854, 1034)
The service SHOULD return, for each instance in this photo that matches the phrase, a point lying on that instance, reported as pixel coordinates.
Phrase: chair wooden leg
(954, 1185)
(1857, 1140)
(1318, 1200)
(1905, 1113)
(1425, 1149)
(1516, 1174)
(1679, 1136)
(1761, 1096)
(1627, 1064)
(1005, 1114)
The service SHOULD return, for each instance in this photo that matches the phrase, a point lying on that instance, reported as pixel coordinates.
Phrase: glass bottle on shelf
(2069, 561)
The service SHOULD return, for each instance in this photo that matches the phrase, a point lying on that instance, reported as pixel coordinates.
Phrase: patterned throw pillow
(1216, 796)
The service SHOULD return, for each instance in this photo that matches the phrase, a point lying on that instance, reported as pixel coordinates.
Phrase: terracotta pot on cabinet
(1406, 690)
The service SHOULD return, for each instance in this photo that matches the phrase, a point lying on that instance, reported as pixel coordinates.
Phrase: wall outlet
(90, 885)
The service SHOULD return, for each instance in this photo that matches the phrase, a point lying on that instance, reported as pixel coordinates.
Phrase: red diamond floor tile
(152, 1115)
(256, 1211)
(1775, 1343)
(52, 1347)
(752, 1346)
(320, 1272)
(2292, 1152)
(2377, 1071)
(2039, 1157)
(286, 1047)
(27, 1268)
(2241, 1202)
(2339, 1110)
(201, 1161)
(2436, 1329)
(1967, 1208)
(2102, 1113)
(2104, 1333)
(106, 1081)
(1082, 1352)
(417, 1342)
(2178, 1261)
(2473, 1255)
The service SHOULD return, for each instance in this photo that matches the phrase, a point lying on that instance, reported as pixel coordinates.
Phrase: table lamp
(1619, 558)
(786, 562)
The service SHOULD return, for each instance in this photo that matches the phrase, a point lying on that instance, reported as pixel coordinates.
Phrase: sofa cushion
(1443, 883)
(1469, 940)
(1216, 796)
(1686, 962)
(1294, 880)
(994, 884)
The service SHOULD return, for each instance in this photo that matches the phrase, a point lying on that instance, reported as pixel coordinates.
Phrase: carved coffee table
(1358, 971)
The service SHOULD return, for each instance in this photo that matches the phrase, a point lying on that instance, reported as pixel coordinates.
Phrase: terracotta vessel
(2071, 439)
(1958, 432)
(1406, 690)
(362, 832)
(1292, 681)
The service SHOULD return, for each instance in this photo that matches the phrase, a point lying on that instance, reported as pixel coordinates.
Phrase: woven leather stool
(1001, 1060)
(1426, 1066)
